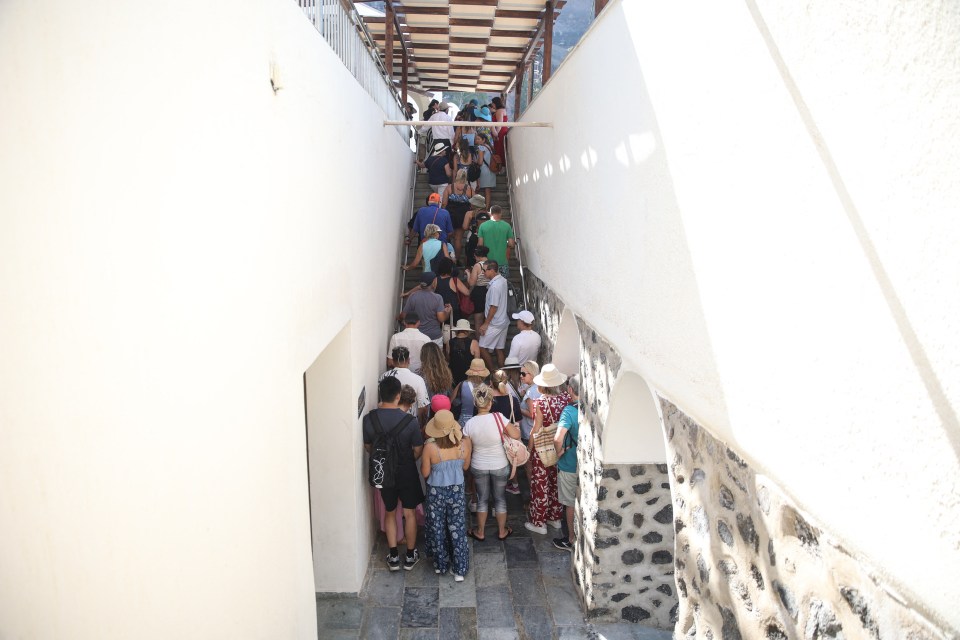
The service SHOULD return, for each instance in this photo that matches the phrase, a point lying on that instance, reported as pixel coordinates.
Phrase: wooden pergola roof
(461, 45)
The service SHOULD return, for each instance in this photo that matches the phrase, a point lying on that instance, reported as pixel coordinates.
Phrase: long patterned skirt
(544, 501)
(446, 516)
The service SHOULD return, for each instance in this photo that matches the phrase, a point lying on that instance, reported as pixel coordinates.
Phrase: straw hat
(443, 424)
(478, 368)
(462, 325)
(511, 363)
(549, 376)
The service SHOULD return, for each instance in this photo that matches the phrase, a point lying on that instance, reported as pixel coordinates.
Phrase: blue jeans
(495, 479)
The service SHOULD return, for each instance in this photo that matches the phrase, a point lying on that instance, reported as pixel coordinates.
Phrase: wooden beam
(505, 49)
(468, 54)
(429, 45)
(522, 63)
(598, 6)
(471, 22)
(388, 42)
(467, 40)
(513, 33)
(516, 98)
(547, 41)
(464, 66)
(403, 78)
(513, 13)
(423, 11)
(434, 31)
(476, 3)
(502, 74)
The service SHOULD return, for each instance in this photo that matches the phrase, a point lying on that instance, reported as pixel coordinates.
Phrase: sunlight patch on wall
(636, 148)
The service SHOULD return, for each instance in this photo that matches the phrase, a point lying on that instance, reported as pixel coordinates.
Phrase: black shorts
(479, 298)
(407, 490)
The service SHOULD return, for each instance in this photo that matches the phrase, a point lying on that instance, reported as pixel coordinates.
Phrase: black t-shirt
(436, 173)
(428, 113)
(502, 404)
(408, 438)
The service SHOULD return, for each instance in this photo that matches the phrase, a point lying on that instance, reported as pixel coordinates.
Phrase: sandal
(475, 536)
(506, 535)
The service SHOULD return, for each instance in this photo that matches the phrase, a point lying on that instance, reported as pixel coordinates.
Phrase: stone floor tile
(420, 607)
(497, 634)
(458, 623)
(339, 612)
(381, 623)
(494, 607)
(383, 588)
(458, 594)
(417, 634)
(490, 544)
(490, 570)
(564, 605)
(555, 568)
(527, 587)
(579, 632)
(422, 575)
(520, 553)
(630, 631)
(534, 622)
(339, 634)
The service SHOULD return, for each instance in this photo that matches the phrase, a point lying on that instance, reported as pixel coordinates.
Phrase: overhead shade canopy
(461, 45)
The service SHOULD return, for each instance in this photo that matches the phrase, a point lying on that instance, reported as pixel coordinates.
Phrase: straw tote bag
(543, 444)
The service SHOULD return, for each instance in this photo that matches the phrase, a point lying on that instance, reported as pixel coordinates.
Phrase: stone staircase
(501, 197)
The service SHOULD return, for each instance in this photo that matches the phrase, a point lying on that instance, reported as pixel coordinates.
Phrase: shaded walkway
(519, 588)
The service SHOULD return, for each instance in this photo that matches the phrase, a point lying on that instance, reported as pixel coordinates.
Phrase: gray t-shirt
(497, 295)
(426, 304)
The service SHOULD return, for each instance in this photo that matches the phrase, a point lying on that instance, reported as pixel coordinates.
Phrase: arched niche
(633, 432)
(566, 350)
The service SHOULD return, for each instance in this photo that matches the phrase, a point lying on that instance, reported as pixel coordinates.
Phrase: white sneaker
(457, 578)
(532, 527)
(554, 523)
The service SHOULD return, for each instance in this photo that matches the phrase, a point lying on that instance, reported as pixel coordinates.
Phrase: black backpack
(473, 171)
(385, 453)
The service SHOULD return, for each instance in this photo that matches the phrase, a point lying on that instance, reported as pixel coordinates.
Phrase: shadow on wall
(612, 183)
(633, 430)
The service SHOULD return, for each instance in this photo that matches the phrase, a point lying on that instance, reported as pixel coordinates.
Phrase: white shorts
(495, 337)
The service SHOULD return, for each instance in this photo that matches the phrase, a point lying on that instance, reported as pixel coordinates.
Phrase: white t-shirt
(441, 132)
(488, 452)
(413, 340)
(525, 346)
(405, 376)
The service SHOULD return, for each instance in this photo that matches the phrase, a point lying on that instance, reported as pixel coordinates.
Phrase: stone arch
(566, 349)
(633, 430)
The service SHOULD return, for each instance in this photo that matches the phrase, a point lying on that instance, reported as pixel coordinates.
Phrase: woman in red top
(500, 133)
(545, 507)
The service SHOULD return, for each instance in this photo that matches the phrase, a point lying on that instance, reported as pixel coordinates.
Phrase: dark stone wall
(751, 564)
(624, 554)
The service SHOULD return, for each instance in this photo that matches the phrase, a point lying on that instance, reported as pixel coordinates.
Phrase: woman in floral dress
(545, 507)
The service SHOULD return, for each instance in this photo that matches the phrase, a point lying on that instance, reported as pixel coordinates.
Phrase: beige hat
(462, 325)
(478, 201)
(443, 424)
(478, 368)
(549, 376)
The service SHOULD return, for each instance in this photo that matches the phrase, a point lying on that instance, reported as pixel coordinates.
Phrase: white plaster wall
(633, 431)
(771, 197)
(179, 244)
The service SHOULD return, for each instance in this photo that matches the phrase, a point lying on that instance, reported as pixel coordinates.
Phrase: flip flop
(504, 537)
(475, 536)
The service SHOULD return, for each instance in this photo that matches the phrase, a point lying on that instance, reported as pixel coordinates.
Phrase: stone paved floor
(516, 589)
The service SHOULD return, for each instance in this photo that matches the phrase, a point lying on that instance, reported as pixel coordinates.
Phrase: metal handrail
(406, 247)
(515, 219)
(347, 34)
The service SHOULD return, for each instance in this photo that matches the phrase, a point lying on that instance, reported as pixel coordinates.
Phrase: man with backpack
(393, 441)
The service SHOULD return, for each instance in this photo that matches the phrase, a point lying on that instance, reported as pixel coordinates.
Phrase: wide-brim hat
(511, 363)
(478, 201)
(443, 424)
(439, 148)
(462, 325)
(483, 113)
(478, 368)
(550, 376)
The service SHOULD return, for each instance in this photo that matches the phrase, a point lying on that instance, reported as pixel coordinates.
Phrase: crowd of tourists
(460, 417)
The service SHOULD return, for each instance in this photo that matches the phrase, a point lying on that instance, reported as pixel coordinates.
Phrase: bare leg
(487, 191)
(570, 536)
(487, 359)
(481, 523)
(410, 527)
(502, 523)
(391, 526)
(500, 358)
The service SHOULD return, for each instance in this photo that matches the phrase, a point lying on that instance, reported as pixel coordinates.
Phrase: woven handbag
(543, 444)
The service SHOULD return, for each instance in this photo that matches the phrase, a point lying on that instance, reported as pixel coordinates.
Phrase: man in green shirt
(497, 235)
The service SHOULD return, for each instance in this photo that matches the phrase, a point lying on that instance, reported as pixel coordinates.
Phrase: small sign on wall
(361, 401)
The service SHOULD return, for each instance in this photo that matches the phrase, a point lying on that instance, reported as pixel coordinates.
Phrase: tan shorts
(567, 487)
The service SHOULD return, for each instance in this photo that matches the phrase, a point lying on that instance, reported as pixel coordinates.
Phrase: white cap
(524, 315)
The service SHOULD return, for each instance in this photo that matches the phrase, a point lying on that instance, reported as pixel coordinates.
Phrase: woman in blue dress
(443, 462)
